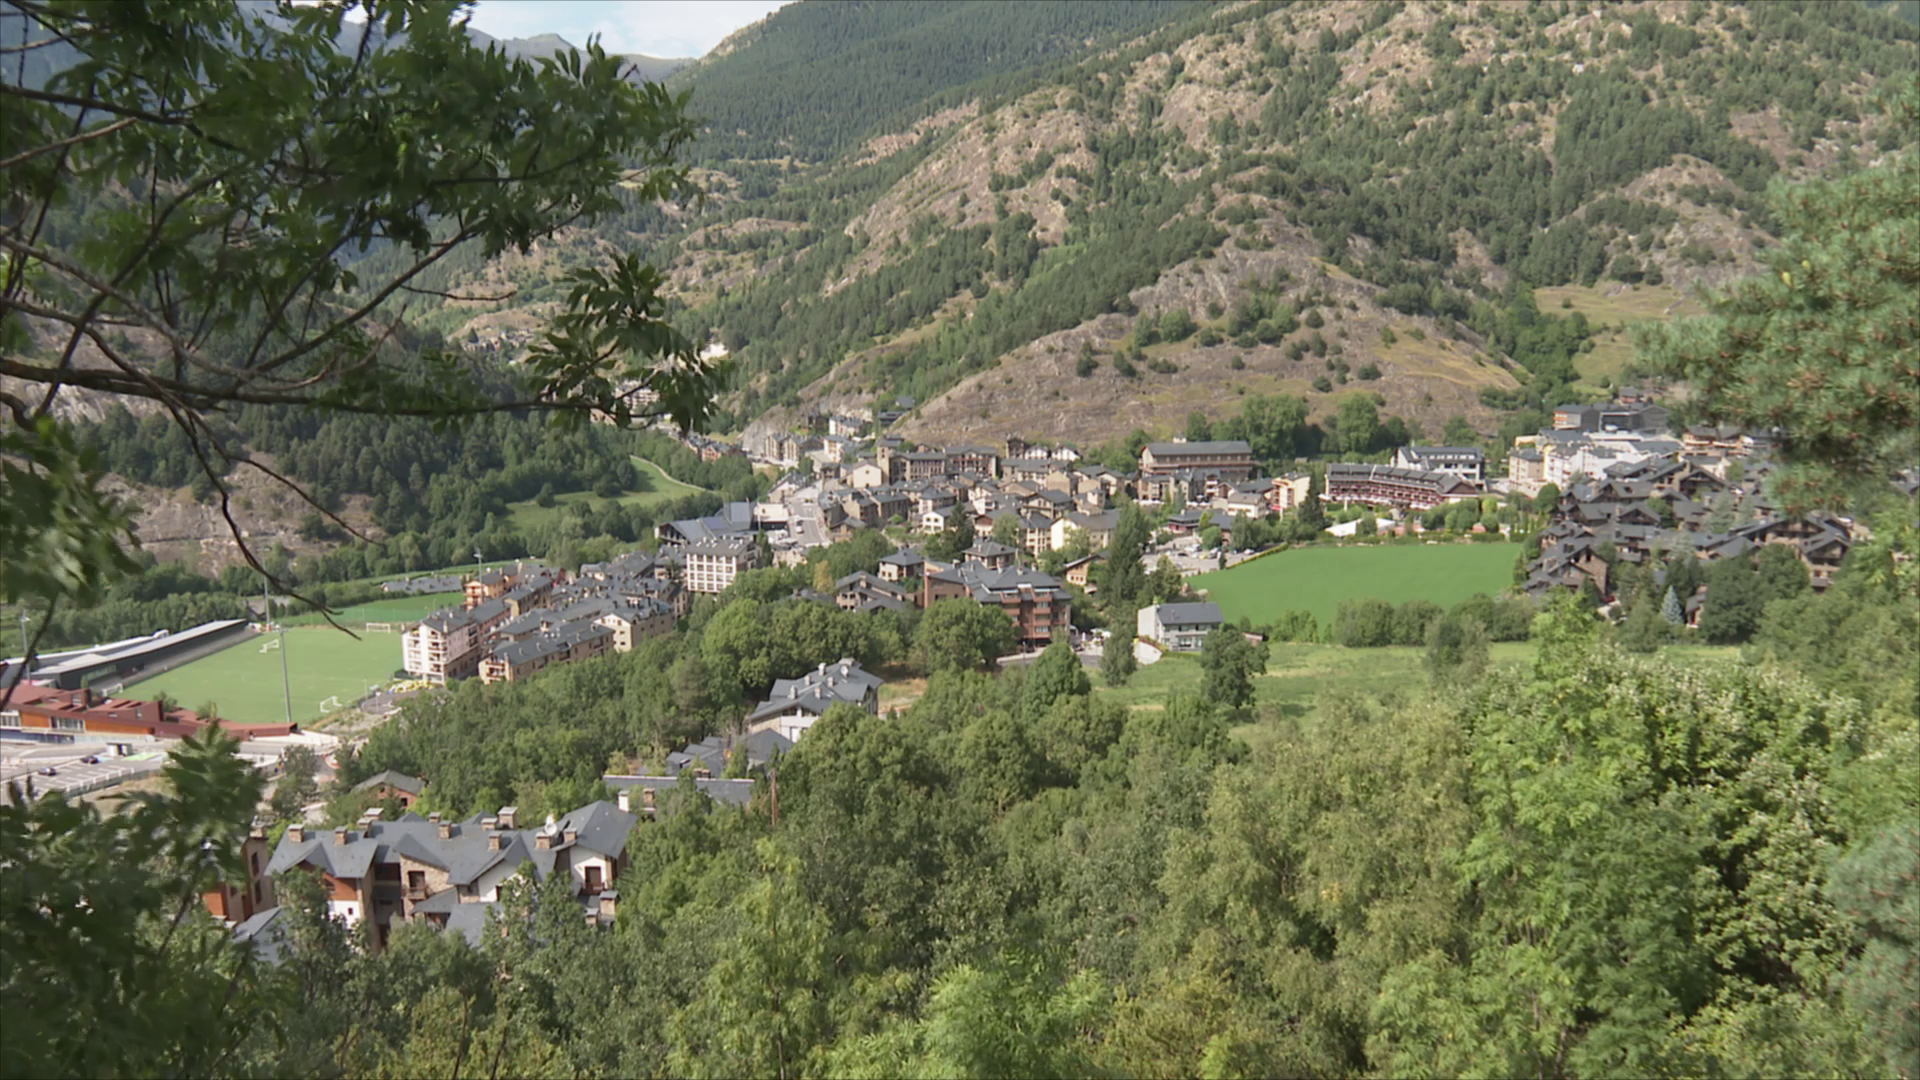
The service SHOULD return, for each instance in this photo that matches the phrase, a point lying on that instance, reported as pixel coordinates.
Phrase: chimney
(489, 823)
(496, 841)
(507, 815)
(446, 829)
(703, 774)
(646, 798)
(609, 900)
(571, 837)
(434, 817)
(622, 800)
(340, 835)
(297, 833)
(543, 841)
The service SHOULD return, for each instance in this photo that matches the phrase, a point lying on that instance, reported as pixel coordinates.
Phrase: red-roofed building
(83, 712)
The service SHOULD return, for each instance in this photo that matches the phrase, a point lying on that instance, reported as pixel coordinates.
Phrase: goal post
(383, 628)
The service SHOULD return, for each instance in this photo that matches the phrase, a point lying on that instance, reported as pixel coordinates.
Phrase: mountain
(648, 68)
(1070, 220)
(811, 79)
(1324, 192)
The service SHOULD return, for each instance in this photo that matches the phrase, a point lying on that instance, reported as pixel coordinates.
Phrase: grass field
(244, 681)
(1612, 310)
(661, 488)
(397, 609)
(1317, 579)
(1298, 674)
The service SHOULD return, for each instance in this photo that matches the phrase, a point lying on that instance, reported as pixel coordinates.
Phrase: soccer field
(1317, 579)
(244, 681)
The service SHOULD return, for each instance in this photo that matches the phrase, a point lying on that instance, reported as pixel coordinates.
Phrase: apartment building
(712, 564)
(1387, 486)
(448, 644)
(1232, 459)
(1467, 461)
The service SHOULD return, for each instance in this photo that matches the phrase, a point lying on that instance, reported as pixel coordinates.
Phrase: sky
(650, 27)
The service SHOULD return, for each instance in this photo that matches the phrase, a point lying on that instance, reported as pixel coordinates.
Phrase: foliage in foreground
(1602, 865)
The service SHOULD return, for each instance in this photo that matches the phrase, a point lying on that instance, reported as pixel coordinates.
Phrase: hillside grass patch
(661, 488)
(1612, 310)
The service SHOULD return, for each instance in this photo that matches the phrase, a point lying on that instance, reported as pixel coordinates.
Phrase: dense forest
(1594, 863)
(893, 63)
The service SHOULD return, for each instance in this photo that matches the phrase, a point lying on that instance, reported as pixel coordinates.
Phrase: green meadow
(1317, 579)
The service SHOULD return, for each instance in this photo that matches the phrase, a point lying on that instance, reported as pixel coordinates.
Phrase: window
(69, 723)
(10, 719)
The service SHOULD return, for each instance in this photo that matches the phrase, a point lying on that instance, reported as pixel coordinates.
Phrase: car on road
(90, 759)
(49, 771)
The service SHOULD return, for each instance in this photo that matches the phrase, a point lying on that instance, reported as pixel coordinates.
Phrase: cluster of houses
(448, 873)
(1051, 494)
(1591, 440)
(1619, 512)
(440, 871)
(521, 620)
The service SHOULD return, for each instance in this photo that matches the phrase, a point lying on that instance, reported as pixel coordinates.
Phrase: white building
(1465, 461)
(713, 563)
(1180, 627)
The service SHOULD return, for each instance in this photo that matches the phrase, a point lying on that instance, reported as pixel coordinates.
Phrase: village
(1019, 528)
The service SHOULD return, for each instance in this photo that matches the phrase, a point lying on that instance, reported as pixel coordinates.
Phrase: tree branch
(63, 144)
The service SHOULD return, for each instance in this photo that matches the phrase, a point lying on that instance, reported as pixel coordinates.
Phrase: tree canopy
(212, 206)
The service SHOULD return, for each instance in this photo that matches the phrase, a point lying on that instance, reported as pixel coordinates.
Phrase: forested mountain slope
(1306, 194)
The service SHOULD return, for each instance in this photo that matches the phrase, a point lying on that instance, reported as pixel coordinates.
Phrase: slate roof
(466, 854)
(1211, 448)
(412, 785)
(726, 791)
(843, 683)
(1203, 614)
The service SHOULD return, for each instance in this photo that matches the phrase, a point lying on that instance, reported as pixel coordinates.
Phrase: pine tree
(1671, 610)
(1117, 664)
(1822, 345)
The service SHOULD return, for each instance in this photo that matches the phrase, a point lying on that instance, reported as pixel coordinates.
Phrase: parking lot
(23, 764)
